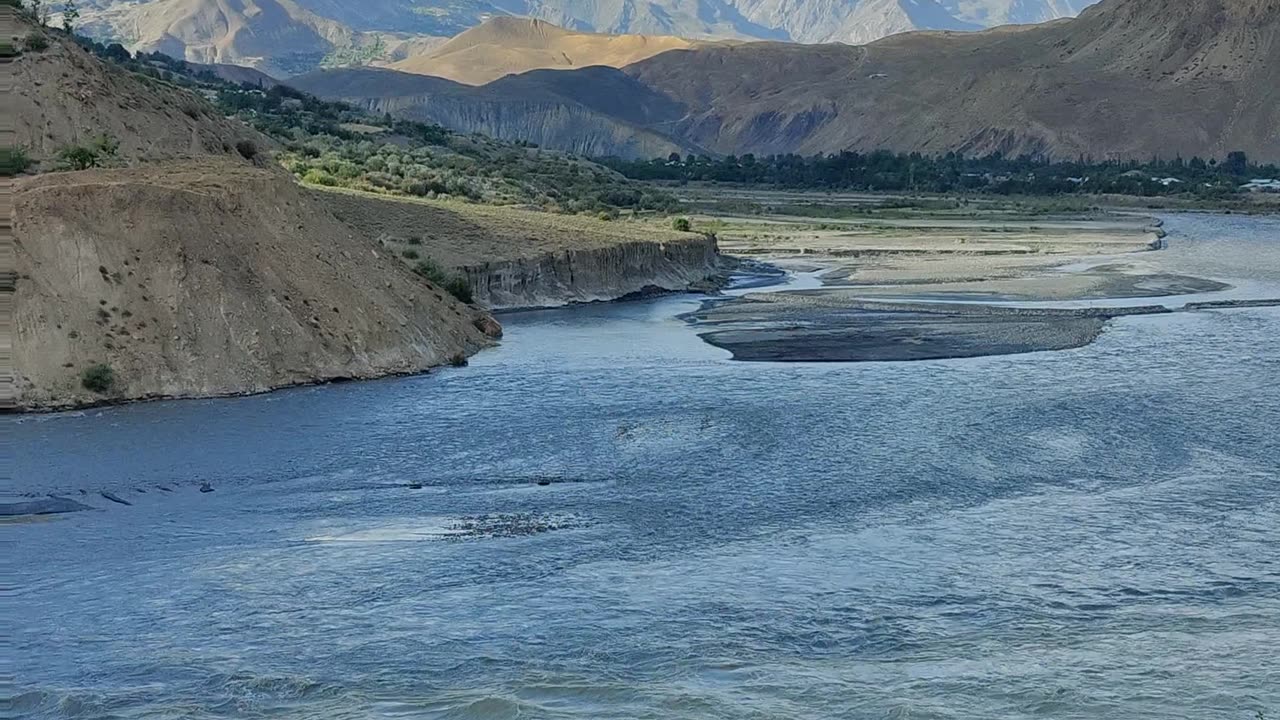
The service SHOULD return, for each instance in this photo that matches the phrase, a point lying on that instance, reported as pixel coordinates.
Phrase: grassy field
(453, 233)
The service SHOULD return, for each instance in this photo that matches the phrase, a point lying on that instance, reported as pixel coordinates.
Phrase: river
(606, 518)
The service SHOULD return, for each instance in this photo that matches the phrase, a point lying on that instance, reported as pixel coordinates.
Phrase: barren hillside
(64, 96)
(209, 279)
(193, 271)
(508, 45)
(1128, 78)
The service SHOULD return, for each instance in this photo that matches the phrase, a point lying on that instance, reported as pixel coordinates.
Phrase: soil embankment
(205, 280)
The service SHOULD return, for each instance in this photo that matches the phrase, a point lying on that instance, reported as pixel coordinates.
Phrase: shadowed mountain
(595, 111)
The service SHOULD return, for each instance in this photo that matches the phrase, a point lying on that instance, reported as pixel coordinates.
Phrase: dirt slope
(509, 45)
(205, 280)
(65, 96)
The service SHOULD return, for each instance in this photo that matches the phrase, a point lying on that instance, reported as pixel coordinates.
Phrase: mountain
(299, 34)
(990, 13)
(1126, 79)
(509, 45)
(601, 111)
(278, 37)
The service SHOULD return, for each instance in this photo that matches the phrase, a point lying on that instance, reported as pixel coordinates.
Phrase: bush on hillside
(13, 161)
(98, 152)
(682, 225)
(458, 287)
(35, 42)
(79, 157)
(454, 284)
(99, 378)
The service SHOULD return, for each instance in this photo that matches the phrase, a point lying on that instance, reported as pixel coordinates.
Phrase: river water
(606, 518)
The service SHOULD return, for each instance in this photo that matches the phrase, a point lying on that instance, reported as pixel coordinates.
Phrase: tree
(117, 53)
(1237, 163)
(681, 225)
(70, 14)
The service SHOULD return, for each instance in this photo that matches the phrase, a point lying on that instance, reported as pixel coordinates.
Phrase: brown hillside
(207, 279)
(509, 45)
(1128, 78)
(64, 96)
(192, 272)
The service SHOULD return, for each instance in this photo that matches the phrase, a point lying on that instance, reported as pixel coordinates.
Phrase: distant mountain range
(287, 37)
(1127, 79)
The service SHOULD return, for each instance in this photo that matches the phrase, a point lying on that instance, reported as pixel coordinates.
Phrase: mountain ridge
(509, 45)
(1124, 80)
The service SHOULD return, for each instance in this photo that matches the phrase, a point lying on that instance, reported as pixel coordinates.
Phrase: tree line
(995, 173)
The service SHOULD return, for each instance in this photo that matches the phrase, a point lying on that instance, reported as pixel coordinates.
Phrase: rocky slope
(1127, 79)
(64, 96)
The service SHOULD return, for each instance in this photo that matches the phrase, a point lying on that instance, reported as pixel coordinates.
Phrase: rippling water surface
(605, 518)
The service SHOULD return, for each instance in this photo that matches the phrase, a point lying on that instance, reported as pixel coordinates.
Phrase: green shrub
(79, 157)
(13, 161)
(454, 284)
(98, 378)
(459, 288)
(428, 269)
(681, 225)
(247, 149)
(410, 254)
(315, 176)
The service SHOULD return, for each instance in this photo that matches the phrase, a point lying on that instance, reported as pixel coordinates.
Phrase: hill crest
(505, 46)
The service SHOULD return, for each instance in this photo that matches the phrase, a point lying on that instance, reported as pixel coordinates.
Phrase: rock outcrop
(588, 275)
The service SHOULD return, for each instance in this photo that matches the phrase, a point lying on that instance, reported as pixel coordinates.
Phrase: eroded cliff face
(588, 275)
(205, 280)
(570, 127)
